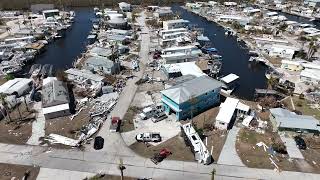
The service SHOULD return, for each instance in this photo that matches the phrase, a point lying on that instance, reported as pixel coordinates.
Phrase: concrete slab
(292, 148)
(142, 99)
(229, 155)
(38, 126)
(167, 128)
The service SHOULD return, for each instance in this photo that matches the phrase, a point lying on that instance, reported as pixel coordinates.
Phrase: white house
(229, 109)
(174, 24)
(180, 54)
(17, 86)
(310, 75)
(55, 98)
(162, 12)
(282, 51)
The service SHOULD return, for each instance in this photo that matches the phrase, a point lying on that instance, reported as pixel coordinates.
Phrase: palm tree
(5, 106)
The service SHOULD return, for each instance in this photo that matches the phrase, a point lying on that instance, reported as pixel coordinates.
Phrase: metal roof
(183, 92)
(54, 92)
(288, 119)
(100, 61)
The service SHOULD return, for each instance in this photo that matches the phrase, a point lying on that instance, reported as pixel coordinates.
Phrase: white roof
(229, 78)
(51, 11)
(178, 48)
(311, 73)
(243, 107)
(272, 13)
(310, 30)
(57, 108)
(185, 68)
(14, 85)
(313, 65)
(227, 109)
(247, 121)
(176, 21)
(147, 109)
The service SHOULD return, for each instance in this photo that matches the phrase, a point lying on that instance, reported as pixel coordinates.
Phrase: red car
(115, 124)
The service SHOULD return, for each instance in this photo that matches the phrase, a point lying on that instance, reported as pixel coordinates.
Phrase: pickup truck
(148, 137)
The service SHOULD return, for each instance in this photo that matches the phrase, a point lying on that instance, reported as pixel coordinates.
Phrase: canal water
(235, 58)
(62, 52)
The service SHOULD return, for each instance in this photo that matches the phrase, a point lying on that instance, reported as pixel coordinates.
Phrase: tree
(5, 106)
(9, 77)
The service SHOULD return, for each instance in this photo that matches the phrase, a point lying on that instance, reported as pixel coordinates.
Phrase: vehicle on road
(159, 116)
(115, 124)
(301, 144)
(148, 137)
(158, 157)
(98, 143)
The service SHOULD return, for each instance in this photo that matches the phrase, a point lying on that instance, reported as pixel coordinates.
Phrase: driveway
(292, 148)
(229, 155)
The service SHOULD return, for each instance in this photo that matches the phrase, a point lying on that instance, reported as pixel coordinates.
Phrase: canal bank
(235, 57)
(62, 52)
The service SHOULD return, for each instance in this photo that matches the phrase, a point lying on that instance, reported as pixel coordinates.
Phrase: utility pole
(121, 167)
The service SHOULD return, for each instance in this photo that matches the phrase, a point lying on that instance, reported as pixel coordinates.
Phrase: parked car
(301, 144)
(98, 143)
(115, 124)
(147, 113)
(159, 116)
(148, 137)
(158, 157)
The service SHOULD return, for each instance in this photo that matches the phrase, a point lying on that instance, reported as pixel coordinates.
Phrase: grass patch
(302, 106)
(127, 122)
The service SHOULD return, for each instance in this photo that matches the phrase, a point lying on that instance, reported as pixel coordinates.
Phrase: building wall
(309, 79)
(221, 125)
(195, 106)
(168, 26)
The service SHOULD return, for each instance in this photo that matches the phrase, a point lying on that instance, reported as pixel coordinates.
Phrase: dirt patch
(176, 145)
(8, 171)
(312, 153)
(216, 138)
(127, 122)
(255, 157)
(154, 87)
(2, 80)
(64, 126)
(19, 128)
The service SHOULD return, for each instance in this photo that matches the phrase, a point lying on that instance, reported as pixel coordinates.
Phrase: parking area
(167, 128)
(292, 148)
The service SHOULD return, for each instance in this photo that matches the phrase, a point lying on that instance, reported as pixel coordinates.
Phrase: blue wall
(200, 104)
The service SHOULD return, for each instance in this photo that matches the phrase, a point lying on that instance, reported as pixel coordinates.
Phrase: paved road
(113, 141)
(229, 155)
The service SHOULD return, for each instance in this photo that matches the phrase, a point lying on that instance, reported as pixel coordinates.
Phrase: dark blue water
(235, 58)
(62, 52)
(300, 19)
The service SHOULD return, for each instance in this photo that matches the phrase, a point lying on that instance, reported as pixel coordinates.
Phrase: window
(222, 123)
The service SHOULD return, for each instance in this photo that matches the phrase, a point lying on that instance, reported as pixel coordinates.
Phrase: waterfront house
(312, 3)
(310, 76)
(285, 120)
(125, 7)
(229, 110)
(191, 97)
(282, 51)
(84, 76)
(55, 98)
(118, 23)
(99, 51)
(291, 65)
(175, 24)
(182, 69)
(50, 13)
(180, 54)
(17, 86)
(102, 65)
(163, 12)
(230, 4)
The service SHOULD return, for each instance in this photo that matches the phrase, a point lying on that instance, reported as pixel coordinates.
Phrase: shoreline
(241, 37)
